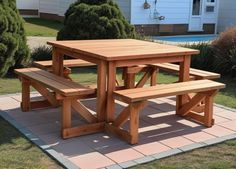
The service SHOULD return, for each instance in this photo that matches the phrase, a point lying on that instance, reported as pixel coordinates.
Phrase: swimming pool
(186, 38)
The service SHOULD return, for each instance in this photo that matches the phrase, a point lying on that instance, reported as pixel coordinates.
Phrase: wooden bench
(151, 72)
(56, 91)
(47, 65)
(196, 73)
(137, 98)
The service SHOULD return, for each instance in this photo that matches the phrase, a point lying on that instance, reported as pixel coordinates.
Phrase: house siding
(27, 4)
(175, 12)
(227, 14)
(125, 6)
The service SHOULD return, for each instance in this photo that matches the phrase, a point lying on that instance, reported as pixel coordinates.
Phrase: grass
(41, 27)
(221, 156)
(17, 152)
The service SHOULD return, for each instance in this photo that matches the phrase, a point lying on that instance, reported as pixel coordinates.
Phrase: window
(210, 6)
(196, 7)
(210, 9)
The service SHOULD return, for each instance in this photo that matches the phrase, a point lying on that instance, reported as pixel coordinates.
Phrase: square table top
(120, 49)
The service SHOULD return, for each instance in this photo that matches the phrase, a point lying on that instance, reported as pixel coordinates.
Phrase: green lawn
(17, 152)
(41, 27)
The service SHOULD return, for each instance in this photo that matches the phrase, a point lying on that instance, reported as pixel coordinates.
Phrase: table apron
(134, 62)
(78, 55)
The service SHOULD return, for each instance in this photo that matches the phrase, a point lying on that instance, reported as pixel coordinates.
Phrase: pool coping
(148, 158)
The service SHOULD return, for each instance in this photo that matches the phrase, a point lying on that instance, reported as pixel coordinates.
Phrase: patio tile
(162, 134)
(121, 153)
(219, 119)
(218, 131)
(101, 140)
(198, 136)
(72, 148)
(176, 142)
(227, 114)
(229, 125)
(151, 148)
(7, 103)
(91, 160)
(46, 128)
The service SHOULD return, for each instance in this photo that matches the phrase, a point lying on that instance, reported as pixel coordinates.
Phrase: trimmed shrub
(225, 52)
(41, 53)
(13, 48)
(95, 19)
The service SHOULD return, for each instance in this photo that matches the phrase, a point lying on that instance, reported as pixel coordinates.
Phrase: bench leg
(134, 123)
(66, 115)
(209, 101)
(25, 104)
(131, 112)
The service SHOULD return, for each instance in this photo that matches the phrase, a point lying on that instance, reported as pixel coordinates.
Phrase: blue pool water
(186, 38)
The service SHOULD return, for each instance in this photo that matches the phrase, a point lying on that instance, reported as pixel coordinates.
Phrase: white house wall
(227, 14)
(28, 4)
(125, 7)
(175, 12)
(58, 7)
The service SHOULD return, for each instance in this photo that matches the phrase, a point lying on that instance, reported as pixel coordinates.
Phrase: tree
(13, 48)
(95, 19)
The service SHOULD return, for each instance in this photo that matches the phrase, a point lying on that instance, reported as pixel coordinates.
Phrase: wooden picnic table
(111, 54)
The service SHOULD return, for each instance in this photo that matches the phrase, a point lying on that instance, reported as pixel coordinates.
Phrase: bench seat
(198, 74)
(47, 65)
(59, 91)
(201, 103)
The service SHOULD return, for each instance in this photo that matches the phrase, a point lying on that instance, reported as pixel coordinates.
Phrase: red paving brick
(91, 160)
(176, 142)
(151, 148)
(199, 136)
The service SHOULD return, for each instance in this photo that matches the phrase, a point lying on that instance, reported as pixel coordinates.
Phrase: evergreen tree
(13, 48)
(95, 19)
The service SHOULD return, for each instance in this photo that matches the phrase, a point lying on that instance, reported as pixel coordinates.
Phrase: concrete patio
(162, 134)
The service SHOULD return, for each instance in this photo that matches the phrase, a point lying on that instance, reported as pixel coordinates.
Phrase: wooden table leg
(101, 91)
(57, 62)
(183, 76)
(111, 85)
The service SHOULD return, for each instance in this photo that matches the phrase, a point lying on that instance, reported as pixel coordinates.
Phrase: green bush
(95, 19)
(41, 53)
(225, 52)
(205, 59)
(13, 48)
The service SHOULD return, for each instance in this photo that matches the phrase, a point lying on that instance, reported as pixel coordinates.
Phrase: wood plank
(122, 117)
(25, 104)
(67, 63)
(66, 114)
(82, 130)
(153, 80)
(57, 62)
(187, 107)
(58, 84)
(83, 111)
(39, 104)
(45, 93)
(121, 133)
(144, 79)
(111, 86)
(139, 94)
(101, 91)
(193, 72)
(124, 49)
